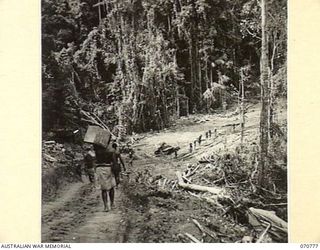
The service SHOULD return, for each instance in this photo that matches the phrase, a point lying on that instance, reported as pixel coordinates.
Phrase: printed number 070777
(309, 245)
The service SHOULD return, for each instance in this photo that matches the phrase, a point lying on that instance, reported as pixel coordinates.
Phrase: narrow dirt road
(76, 215)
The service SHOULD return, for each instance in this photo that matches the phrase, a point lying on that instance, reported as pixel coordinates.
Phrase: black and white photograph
(164, 121)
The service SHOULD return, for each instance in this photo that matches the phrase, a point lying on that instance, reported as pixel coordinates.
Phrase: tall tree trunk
(242, 118)
(177, 101)
(200, 83)
(187, 106)
(191, 60)
(194, 56)
(264, 97)
(120, 122)
(271, 89)
(99, 11)
(206, 74)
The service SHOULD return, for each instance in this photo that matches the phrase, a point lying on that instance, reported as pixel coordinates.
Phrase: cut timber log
(260, 219)
(49, 158)
(187, 180)
(183, 238)
(49, 142)
(213, 190)
(231, 124)
(191, 237)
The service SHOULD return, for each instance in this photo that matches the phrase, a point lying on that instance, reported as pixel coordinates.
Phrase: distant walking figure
(131, 153)
(210, 133)
(190, 147)
(176, 153)
(199, 139)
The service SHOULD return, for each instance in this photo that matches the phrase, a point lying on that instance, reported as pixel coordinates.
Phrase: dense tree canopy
(138, 64)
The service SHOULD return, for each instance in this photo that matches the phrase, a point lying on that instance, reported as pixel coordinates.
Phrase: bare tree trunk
(72, 83)
(242, 119)
(177, 101)
(187, 107)
(221, 92)
(191, 59)
(264, 97)
(106, 6)
(99, 10)
(120, 122)
(271, 90)
(178, 104)
(206, 76)
(200, 82)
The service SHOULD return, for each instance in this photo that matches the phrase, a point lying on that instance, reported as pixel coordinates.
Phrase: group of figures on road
(192, 146)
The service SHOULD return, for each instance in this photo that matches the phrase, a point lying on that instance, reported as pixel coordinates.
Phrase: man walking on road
(131, 156)
(105, 176)
(117, 161)
(89, 163)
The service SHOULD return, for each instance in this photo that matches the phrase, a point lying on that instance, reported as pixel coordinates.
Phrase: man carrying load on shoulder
(105, 176)
(107, 163)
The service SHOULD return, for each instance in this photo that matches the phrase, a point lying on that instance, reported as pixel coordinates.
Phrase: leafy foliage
(136, 63)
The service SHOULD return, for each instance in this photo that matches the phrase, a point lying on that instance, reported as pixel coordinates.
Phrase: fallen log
(207, 181)
(204, 230)
(231, 124)
(164, 183)
(275, 204)
(49, 158)
(263, 234)
(192, 238)
(49, 142)
(192, 172)
(183, 238)
(260, 219)
(220, 179)
(195, 195)
(174, 185)
(181, 183)
(187, 180)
